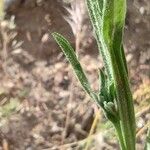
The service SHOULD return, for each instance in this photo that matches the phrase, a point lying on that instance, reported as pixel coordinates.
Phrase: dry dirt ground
(40, 108)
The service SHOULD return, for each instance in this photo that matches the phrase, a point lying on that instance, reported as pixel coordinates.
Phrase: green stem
(124, 101)
(120, 136)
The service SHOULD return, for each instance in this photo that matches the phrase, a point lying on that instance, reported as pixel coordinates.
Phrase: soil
(36, 80)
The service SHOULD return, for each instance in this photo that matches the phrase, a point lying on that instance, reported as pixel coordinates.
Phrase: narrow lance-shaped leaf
(119, 21)
(72, 58)
(107, 23)
(95, 8)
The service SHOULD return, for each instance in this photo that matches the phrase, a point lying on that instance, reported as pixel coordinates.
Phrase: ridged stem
(124, 101)
(120, 136)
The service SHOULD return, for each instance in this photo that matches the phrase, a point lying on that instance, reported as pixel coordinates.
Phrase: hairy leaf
(95, 8)
(72, 58)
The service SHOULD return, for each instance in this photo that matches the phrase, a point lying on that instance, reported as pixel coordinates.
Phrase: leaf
(110, 108)
(111, 91)
(107, 23)
(95, 8)
(72, 58)
(102, 79)
(119, 21)
(103, 92)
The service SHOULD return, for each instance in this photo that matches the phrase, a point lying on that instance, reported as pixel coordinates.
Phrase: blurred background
(42, 106)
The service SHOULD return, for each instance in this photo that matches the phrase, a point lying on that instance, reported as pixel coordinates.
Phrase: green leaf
(72, 58)
(102, 80)
(111, 91)
(107, 26)
(110, 112)
(95, 8)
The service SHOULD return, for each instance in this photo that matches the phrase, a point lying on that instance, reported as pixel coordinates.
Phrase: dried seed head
(76, 15)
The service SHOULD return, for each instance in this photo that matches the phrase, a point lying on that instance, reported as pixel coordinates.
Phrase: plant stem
(120, 136)
(124, 101)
